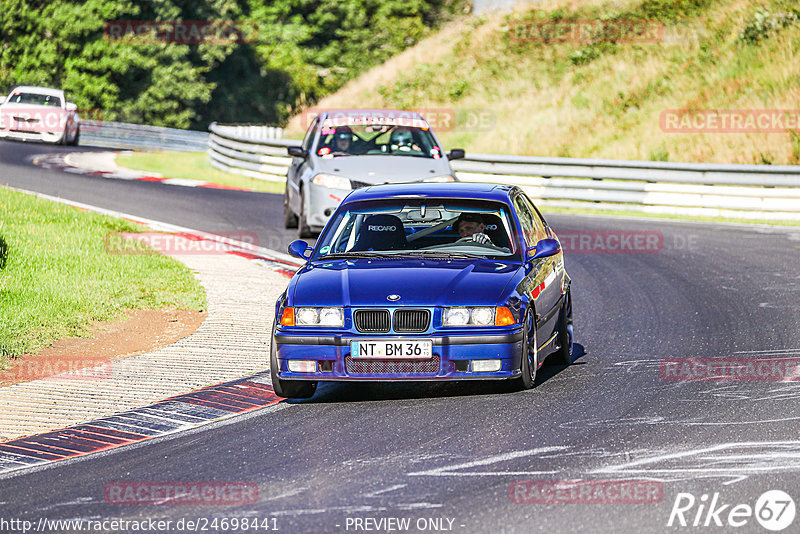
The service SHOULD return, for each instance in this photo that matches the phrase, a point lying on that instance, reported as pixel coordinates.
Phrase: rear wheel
(303, 230)
(563, 356)
(288, 389)
(529, 360)
(77, 137)
(289, 218)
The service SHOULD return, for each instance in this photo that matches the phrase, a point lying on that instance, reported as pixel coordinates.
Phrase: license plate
(418, 349)
(26, 126)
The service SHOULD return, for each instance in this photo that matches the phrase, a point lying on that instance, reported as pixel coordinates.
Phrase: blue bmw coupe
(424, 281)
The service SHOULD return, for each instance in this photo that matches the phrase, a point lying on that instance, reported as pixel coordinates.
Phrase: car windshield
(409, 137)
(35, 99)
(423, 227)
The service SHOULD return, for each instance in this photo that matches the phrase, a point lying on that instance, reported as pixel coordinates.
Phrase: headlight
(440, 179)
(331, 181)
(477, 316)
(319, 317)
(456, 317)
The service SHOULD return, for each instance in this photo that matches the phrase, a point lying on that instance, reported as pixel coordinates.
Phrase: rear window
(34, 99)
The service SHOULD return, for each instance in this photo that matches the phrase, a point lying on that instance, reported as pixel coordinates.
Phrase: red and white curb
(175, 414)
(67, 163)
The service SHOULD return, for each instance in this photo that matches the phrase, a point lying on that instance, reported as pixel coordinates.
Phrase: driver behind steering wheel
(470, 227)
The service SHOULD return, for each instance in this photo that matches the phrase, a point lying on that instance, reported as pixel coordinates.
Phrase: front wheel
(288, 389)
(303, 230)
(289, 218)
(529, 360)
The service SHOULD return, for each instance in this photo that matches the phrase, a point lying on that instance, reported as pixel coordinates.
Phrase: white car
(39, 114)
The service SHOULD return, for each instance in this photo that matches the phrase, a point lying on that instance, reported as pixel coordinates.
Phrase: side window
(310, 134)
(526, 221)
(541, 232)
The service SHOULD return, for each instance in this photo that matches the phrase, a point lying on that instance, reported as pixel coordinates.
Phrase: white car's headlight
(319, 317)
(472, 316)
(331, 181)
(440, 179)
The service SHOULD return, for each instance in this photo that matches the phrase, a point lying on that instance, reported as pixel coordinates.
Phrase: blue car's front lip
(448, 349)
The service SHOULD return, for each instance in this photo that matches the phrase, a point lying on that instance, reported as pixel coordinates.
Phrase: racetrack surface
(452, 450)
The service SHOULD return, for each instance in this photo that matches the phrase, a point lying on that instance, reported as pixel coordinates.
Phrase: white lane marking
(185, 182)
(418, 506)
(166, 227)
(385, 490)
(345, 509)
(773, 351)
(450, 470)
(290, 493)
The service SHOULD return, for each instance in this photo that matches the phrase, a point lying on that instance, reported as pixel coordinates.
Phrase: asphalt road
(450, 452)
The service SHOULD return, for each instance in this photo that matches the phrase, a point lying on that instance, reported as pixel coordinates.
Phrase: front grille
(372, 321)
(408, 321)
(358, 366)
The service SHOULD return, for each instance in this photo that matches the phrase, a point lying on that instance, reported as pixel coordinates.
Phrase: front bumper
(322, 202)
(47, 137)
(451, 357)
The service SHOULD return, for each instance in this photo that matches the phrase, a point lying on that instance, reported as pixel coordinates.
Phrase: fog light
(485, 366)
(303, 366)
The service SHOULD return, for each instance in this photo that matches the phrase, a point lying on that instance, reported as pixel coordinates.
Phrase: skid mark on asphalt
(735, 461)
(458, 470)
(732, 461)
(171, 415)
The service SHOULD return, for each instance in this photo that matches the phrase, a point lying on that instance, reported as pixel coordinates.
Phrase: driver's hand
(481, 238)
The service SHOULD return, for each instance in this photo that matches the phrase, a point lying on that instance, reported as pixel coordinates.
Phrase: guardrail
(122, 135)
(692, 189)
(255, 151)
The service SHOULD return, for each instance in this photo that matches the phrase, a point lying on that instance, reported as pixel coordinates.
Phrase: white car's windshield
(34, 99)
(377, 139)
(429, 227)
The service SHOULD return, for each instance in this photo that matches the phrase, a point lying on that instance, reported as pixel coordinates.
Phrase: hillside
(517, 87)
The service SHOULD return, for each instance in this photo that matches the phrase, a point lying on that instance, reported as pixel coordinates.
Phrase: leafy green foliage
(300, 51)
(764, 23)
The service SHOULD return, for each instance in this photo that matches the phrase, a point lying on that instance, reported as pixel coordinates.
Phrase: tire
(77, 137)
(529, 362)
(288, 389)
(563, 356)
(289, 218)
(303, 230)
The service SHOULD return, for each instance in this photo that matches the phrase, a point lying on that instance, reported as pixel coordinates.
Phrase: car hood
(374, 170)
(418, 282)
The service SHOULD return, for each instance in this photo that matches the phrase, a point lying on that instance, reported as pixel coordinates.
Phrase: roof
(372, 111)
(37, 90)
(471, 190)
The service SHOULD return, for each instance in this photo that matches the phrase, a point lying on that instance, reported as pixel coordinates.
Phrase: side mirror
(545, 248)
(297, 152)
(298, 249)
(71, 107)
(456, 153)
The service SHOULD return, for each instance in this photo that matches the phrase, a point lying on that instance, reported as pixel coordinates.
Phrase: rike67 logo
(774, 510)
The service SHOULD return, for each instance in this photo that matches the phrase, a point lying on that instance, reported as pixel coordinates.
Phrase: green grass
(604, 99)
(56, 278)
(195, 166)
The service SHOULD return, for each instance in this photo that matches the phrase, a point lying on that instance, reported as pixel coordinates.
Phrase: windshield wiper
(337, 255)
(442, 253)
